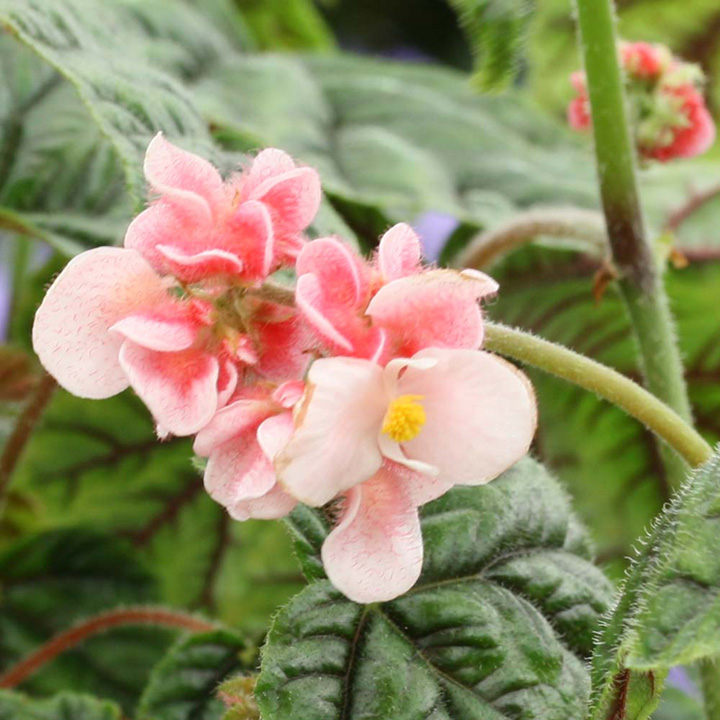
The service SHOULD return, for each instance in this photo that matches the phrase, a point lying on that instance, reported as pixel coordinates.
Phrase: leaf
(496, 627)
(66, 706)
(183, 685)
(50, 580)
(397, 140)
(496, 31)
(668, 612)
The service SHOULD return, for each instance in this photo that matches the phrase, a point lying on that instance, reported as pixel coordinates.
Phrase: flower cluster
(668, 112)
(362, 389)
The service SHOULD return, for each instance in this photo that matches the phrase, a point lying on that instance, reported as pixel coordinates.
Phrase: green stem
(605, 382)
(710, 683)
(640, 283)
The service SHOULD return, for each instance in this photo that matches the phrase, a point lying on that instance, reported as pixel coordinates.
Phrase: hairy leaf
(14, 706)
(185, 681)
(496, 627)
(668, 611)
(496, 31)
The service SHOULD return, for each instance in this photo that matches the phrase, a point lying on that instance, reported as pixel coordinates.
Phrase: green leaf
(496, 31)
(496, 627)
(66, 706)
(183, 685)
(51, 580)
(668, 612)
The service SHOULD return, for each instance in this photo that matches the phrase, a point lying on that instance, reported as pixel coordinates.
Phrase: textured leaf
(51, 580)
(14, 706)
(496, 31)
(668, 613)
(496, 627)
(183, 685)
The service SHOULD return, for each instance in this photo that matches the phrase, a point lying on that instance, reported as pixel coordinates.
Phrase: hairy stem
(585, 226)
(93, 626)
(23, 429)
(603, 381)
(640, 282)
(710, 684)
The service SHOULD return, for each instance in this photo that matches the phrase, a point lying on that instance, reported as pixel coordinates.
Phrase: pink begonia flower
(241, 442)
(390, 439)
(201, 227)
(694, 135)
(390, 306)
(669, 113)
(109, 322)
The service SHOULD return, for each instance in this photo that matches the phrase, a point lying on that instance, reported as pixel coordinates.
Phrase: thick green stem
(605, 382)
(710, 684)
(640, 282)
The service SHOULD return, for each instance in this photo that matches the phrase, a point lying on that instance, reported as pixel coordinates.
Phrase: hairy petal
(375, 553)
(334, 445)
(399, 252)
(71, 334)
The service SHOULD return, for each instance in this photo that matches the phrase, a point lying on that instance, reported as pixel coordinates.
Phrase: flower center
(404, 418)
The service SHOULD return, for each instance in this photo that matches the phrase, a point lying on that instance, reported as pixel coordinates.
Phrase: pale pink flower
(644, 60)
(391, 305)
(108, 322)
(201, 227)
(390, 439)
(241, 442)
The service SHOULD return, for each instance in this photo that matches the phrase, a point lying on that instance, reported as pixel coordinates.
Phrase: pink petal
(227, 381)
(165, 328)
(399, 252)
(273, 434)
(293, 197)
(480, 410)
(289, 393)
(187, 180)
(194, 267)
(276, 503)
(342, 274)
(253, 239)
(70, 335)
(237, 418)
(269, 163)
(164, 224)
(335, 442)
(375, 553)
(438, 308)
(284, 349)
(325, 318)
(238, 470)
(180, 388)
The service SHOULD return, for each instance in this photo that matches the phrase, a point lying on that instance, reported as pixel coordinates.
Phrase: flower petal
(180, 388)
(70, 335)
(238, 418)
(165, 328)
(399, 252)
(269, 163)
(253, 239)
(375, 553)
(238, 470)
(334, 445)
(183, 177)
(480, 414)
(276, 503)
(192, 267)
(273, 434)
(293, 197)
(438, 308)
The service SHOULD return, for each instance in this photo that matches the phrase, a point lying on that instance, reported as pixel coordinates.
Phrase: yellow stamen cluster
(404, 418)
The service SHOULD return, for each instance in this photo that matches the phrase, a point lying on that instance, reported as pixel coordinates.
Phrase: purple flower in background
(434, 229)
(679, 678)
(5, 295)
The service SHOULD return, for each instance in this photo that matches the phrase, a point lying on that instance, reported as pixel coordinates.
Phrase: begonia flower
(109, 321)
(667, 111)
(388, 440)
(241, 442)
(200, 227)
(389, 306)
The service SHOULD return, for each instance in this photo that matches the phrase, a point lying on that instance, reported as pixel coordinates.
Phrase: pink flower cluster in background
(667, 109)
(362, 389)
